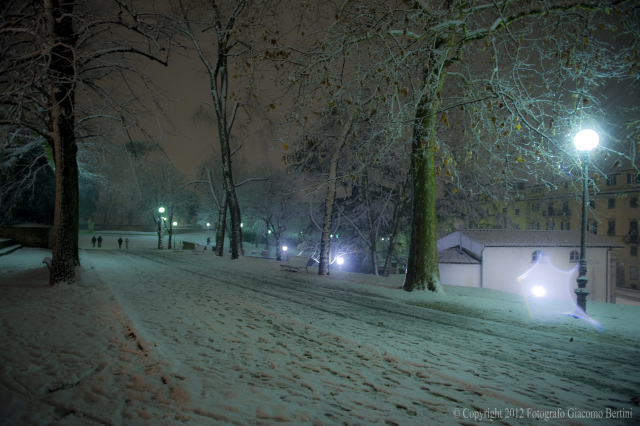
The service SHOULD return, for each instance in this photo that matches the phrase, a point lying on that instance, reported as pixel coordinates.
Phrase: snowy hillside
(149, 337)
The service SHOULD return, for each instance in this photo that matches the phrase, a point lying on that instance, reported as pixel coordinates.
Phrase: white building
(526, 262)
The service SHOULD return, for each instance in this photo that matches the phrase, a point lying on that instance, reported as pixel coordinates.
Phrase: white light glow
(175, 223)
(340, 261)
(538, 291)
(586, 140)
(161, 209)
(269, 231)
(208, 224)
(284, 248)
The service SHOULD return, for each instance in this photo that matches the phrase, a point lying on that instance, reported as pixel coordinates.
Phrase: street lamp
(586, 140)
(160, 210)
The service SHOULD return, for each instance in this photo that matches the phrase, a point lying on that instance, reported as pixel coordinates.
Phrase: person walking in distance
(93, 240)
(100, 241)
(120, 243)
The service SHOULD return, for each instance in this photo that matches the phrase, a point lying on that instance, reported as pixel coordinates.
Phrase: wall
(510, 269)
(467, 275)
(30, 235)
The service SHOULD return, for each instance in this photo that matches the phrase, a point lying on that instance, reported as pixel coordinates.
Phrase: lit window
(574, 256)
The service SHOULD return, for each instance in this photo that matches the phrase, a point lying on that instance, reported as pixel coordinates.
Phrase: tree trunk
(373, 234)
(398, 213)
(278, 249)
(62, 126)
(422, 266)
(325, 242)
(221, 228)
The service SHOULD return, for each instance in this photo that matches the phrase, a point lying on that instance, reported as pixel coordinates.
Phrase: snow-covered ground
(165, 337)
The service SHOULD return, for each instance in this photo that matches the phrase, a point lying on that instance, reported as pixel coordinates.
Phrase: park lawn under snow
(148, 337)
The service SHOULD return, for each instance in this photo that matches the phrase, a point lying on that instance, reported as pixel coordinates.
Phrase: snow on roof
(457, 255)
(534, 238)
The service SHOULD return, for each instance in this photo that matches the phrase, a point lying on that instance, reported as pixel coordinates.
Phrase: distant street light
(175, 223)
(340, 261)
(585, 141)
(284, 248)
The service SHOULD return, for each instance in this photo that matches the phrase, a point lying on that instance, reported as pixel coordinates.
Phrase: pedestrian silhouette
(208, 240)
(120, 242)
(93, 240)
(100, 241)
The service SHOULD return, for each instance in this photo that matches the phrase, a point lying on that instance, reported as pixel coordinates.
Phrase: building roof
(535, 238)
(457, 255)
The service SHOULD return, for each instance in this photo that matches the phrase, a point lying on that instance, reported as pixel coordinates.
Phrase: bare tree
(223, 34)
(54, 51)
(506, 83)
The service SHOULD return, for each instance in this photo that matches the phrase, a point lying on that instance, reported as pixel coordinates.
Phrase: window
(520, 185)
(566, 186)
(536, 255)
(633, 202)
(565, 226)
(633, 231)
(535, 207)
(551, 226)
(594, 228)
(633, 273)
(517, 212)
(634, 251)
(592, 204)
(574, 256)
(611, 227)
(632, 178)
(611, 181)
(504, 210)
(612, 203)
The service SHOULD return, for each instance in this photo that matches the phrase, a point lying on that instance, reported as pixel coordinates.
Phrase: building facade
(613, 213)
(530, 263)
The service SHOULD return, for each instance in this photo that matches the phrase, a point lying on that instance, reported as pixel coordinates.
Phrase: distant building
(527, 261)
(613, 212)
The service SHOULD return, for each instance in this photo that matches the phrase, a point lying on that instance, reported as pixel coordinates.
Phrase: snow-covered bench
(296, 263)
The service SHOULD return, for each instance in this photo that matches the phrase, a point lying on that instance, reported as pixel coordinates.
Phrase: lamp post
(585, 141)
(160, 210)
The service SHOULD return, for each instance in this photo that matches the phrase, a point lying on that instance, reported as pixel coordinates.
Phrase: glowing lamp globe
(284, 248)
(208, 224)
(161, 209)
(175, 223)
(538, 291)
(586, 140)
(340, 261)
